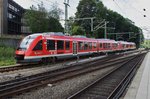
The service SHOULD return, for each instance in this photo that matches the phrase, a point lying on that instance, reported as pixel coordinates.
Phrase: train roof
(33, 36)
(61, 36)
(107, 40)
(124, 42)
(64, 37)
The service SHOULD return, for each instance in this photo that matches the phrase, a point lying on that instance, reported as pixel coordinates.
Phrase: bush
(7, 56)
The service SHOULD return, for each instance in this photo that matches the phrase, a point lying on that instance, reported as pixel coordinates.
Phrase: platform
(140, 86)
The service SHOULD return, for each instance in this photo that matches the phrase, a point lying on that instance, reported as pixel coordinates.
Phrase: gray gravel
(35, 70)
(58, 90)
(64, 89)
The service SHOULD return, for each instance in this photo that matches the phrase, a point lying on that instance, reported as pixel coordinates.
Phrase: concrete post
(3, 17)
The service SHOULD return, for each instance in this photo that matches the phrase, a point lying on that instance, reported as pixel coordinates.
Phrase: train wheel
(53, 59)
(46, 60)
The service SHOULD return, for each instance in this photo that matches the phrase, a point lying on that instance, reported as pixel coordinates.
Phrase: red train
(49, 46)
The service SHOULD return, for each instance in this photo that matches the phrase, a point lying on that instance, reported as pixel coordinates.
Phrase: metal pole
(66, 3)
(92, 24)
(140, 40)
(105, 35)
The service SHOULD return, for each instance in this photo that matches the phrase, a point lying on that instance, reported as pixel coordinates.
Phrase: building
(10, 17)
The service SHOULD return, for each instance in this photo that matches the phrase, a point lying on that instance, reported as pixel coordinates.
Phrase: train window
(85, 45)
(128, 46)
(67, 45)
(81, 45)
(38, 46)
(101, 45)
(94, 44)
(60, 45)
(105, 45)
(50, 45)
(90, 45)
(123, 45)
(115, 45)
(108, 45)
(25, 43)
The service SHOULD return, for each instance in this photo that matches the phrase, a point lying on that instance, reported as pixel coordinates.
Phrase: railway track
(31, 65)
(15, 67)
(26, 66)
(112, 84)
(10, 88)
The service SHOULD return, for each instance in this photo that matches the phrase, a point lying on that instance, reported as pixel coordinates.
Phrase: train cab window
(50, 45)
(100, 45)
(38, 46)
(60, 45)
(67, 45)
(25, 43)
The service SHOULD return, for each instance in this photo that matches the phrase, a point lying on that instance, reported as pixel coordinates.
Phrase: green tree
(55, 11)
(36, 18)
(40, 20)
(86, 8)
(54, 25)
(92, 8)
(77, 30)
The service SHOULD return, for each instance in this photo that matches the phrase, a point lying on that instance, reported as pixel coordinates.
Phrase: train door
(74, 47)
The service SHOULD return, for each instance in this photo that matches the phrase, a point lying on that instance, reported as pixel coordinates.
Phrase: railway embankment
(8, 46)
(7, 56)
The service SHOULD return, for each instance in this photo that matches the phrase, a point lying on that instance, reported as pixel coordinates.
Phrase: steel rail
(103, 87)
(25, 66)
(13, 88)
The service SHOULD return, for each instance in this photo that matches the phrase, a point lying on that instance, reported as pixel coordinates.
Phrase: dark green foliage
(77, 30)
(86, 8)
(39, 20)
(54, 25)
(118, 24)
(7, 56)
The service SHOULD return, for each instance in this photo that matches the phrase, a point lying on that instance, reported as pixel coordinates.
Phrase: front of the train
(24, 48)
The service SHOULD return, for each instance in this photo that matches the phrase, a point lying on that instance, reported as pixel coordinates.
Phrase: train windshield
(25, 43)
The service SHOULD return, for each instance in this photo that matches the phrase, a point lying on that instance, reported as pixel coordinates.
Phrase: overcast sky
(132, 9)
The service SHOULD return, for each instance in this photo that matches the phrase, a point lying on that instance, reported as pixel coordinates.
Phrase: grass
(7, 56)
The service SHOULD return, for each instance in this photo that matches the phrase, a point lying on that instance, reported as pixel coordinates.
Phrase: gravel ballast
(64, 89)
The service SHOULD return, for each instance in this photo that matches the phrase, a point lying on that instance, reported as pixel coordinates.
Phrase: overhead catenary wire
(140, 12)
(135, 9)
(120, 8)
(125, 6)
